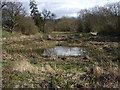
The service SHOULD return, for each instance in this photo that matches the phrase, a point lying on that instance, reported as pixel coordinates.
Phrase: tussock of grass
(25, 66)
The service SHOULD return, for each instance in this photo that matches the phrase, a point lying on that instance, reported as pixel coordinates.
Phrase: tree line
(103, 20)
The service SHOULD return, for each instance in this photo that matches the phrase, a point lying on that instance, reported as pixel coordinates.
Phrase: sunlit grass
(6, 34)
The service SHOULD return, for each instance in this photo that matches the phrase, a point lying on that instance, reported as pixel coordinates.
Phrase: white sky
(66, 7)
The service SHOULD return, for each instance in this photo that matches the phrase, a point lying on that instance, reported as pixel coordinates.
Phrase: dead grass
(25, 66)
(73, 69)
(49, 68)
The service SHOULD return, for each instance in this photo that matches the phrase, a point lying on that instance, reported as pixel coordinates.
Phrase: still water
(65, 51)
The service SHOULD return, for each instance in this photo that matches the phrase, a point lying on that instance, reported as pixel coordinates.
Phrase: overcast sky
(70, 7)
(67, 7)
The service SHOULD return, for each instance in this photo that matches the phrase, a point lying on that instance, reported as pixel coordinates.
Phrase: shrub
(50, 26)
(66, 24)
(80, 26)
(107, 30)
(87, 28)
(26, 26)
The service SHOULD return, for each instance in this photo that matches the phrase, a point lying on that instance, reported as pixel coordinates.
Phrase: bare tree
(47, 15)
(2, 4)
(11, 13)
(53, 16)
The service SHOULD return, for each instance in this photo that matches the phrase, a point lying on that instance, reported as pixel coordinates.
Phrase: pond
(65, 51)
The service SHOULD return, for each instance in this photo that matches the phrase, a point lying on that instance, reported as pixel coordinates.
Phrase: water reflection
(65, 51)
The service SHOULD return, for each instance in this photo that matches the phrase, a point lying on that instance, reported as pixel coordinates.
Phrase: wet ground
(49, 61)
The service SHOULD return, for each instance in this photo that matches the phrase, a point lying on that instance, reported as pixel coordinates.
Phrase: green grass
(3, 63)
(6, 34)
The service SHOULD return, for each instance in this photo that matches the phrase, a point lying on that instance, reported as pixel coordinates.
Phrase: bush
(80, 26)
(84, 27)
(66, 24)
(26, 26)
(50, 26)
(87, 28)
(107, 29)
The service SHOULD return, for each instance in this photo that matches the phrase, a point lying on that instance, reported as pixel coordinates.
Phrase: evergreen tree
(35, 14)
(34, 9)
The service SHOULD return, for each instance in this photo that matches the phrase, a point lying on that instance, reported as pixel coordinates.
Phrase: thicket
(104, 20)
(26, 26)
(64, 24)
